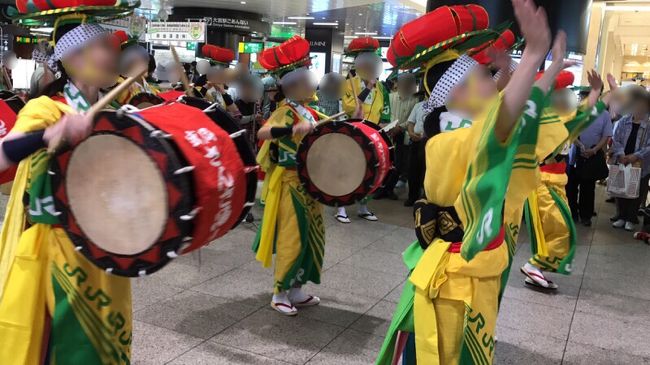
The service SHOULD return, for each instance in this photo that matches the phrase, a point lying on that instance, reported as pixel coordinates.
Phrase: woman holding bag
(632, 146)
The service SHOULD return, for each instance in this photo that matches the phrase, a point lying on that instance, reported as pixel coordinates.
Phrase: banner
(175, 33)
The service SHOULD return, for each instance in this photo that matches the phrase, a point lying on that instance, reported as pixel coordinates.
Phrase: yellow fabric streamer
(427, 279)
(272, 201)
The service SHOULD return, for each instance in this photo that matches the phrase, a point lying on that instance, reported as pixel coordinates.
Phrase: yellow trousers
(550, 227)
(456, 304)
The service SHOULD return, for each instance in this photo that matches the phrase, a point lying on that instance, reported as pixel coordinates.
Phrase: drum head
(337, 163)
(326, 168)
(119, 198)
(132, 197)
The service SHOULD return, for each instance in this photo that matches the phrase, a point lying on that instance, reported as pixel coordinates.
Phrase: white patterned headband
(455, 75)
(74, 40)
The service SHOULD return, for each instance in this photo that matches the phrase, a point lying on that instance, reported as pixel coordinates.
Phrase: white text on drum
(207, 140)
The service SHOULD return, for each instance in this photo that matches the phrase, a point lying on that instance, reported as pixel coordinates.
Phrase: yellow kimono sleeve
(40, 113)
(350, 95)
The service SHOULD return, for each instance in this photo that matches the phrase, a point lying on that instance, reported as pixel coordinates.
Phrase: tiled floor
(212, 307)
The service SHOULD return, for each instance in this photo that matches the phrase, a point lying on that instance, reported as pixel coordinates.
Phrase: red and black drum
(149, 185)
(171, 95)
(145, 100)
(10, 106)
(342, 162)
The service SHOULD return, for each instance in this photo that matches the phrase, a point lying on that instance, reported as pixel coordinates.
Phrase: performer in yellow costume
(364, 96)
(551, 228)
(133, 58)
(450, 301)
(292, 225)
(218, 75)
(55, 306)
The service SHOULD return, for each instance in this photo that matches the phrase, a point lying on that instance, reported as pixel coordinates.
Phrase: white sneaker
(630, 227)
(619, 223)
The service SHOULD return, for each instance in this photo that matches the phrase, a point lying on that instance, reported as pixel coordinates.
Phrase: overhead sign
(175, 32)
(251, 47)
(240, 22)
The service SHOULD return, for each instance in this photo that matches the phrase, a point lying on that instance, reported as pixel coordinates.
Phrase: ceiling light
(42, 30)
(285, 23)
(634, 8)
(381, 37)
(325, 23)
(301, 17)
(242, 2)
(365, 33)
(360, 14)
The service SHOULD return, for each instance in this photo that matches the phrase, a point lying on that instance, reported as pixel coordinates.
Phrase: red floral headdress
(288, 56)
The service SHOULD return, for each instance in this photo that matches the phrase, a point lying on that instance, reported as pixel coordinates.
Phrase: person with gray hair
(329, 93)
(402, 102)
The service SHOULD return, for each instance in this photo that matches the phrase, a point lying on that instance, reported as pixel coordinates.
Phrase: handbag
(592, 168)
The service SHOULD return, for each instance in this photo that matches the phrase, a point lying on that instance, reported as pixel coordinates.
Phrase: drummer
(292, 224)
(44, 313)
(365, 97)
(218, 76)
(133, 59)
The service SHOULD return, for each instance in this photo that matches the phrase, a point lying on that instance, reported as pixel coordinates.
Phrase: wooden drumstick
(333, 117)
(57, 141)
(184, 80)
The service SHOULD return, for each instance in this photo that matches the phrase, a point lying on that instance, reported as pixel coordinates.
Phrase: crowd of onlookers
(618, 136)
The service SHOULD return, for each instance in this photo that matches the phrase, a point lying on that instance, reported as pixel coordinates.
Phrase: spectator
(249, 104)
(632, 146)
(417, 163)
(401, 104)
(270, 90)
(586, 166)
(329, 93)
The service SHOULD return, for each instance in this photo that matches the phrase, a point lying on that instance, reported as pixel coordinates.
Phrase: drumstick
(184, 80)
(354, 92)
(333, 117)
(5, 75)
(56, 142)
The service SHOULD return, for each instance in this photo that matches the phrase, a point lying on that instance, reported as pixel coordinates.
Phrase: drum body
(10, 106)
(148, 186)
(145, 100)
(340, 163)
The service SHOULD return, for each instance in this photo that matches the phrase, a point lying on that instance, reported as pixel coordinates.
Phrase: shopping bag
(624, 181)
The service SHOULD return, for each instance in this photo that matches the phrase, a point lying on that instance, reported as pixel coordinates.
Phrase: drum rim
(303, 174)
(146, 97)
(160, 252)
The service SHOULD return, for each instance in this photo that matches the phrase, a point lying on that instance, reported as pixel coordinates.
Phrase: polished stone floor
(212, 307)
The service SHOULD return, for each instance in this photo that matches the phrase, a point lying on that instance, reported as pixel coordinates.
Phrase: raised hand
(596, 83)
(558, 51)
(611, 81)
(533, 23)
